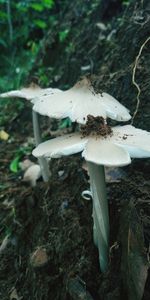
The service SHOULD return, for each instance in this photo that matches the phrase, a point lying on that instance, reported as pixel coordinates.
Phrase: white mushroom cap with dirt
(80, 101)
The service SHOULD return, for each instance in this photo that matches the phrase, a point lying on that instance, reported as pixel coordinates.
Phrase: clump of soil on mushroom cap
(96, 126)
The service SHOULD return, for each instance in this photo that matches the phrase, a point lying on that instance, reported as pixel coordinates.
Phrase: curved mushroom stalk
(100, 213)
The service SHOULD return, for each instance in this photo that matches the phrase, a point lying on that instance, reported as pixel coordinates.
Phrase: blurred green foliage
(22, 26)
(63, 35)
(14, 165)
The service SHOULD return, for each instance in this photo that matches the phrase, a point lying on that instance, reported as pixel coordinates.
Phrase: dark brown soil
(96, 126)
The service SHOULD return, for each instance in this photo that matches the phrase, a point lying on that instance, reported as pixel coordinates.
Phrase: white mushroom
(25, 164)
(80, 101)
(32, 174)
(76, 103)
(31, 93)
(115, 149)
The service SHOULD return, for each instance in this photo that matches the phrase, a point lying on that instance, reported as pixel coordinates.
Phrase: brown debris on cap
(96, 126)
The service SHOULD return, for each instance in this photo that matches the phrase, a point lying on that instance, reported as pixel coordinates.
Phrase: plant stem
(42, 161)
(9, 21)
(100, 213)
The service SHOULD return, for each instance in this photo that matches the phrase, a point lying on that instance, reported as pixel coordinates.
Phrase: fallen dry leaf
(39, 258)
(4, 135)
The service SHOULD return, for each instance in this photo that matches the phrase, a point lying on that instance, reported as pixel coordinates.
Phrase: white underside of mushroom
(30, 93)
(61, 146)
(105, 153)
(125, 143)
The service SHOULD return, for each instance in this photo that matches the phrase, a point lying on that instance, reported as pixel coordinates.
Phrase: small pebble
(39, 258)
(61, 173)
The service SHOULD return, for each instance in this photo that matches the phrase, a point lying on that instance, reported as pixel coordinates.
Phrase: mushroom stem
(100, 213)
(42, 161)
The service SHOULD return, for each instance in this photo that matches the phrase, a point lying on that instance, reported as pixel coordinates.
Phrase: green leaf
(37, 6)
(63, 35)
(126, 2)
(41, 24)
(3, 15)
(65, 123)
(3, 43)
(24, 150)
(14, 166)
(22, 7)
(48, 3)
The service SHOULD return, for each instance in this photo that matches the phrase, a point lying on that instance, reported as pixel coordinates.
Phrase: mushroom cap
(136, 141)
(117, 149)
(30, 93)
(61, 146)
(102, 152)
(80, 101)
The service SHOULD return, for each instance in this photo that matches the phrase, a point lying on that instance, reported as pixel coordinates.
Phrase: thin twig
(9, 21)
(134, 81)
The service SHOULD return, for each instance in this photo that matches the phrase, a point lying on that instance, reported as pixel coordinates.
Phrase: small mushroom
(114, 149)
(32, 174)
(31, 93)
(25, 164)
(80, 101)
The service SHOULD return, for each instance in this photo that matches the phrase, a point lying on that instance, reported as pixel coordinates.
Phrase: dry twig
(133, 78)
